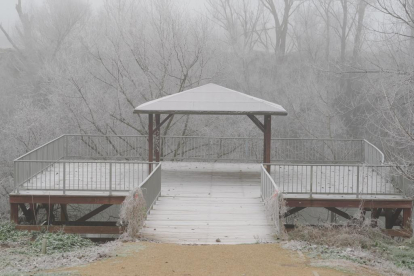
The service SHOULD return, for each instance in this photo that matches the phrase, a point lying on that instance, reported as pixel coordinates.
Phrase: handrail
(39, 147)
(340, 179)
(215, 137)
(151, 187)
(268, 175)
(152, 173)
(87, 161)
(271, 197)
(378, 150)
(323, 164)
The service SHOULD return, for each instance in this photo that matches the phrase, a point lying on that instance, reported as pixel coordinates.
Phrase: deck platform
(200, 203)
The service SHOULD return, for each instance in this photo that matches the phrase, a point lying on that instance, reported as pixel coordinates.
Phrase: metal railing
(268, 187)
(251, 149)
(106, 147)
(272, 197)
(34, 162)
(351, 179)
(195, 148)
(372, 155)
(74, 175)
(151, 187)
(68, 152)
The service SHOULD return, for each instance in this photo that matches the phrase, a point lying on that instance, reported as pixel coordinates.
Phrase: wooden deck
(201, 203)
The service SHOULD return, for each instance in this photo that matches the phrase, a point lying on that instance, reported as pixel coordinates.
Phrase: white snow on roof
(210, 99)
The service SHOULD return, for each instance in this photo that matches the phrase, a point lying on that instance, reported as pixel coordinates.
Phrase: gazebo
(209, 99)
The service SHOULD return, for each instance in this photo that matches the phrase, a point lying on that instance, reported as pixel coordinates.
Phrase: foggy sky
(9, 16)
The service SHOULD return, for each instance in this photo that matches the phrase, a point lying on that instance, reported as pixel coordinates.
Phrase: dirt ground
(153, 259)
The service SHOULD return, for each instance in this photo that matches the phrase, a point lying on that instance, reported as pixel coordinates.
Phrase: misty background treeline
(341, 68)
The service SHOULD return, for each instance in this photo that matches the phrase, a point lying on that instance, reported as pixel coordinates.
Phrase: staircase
(209, 203)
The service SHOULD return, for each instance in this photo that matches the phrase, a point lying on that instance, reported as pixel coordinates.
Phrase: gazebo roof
(210, 99)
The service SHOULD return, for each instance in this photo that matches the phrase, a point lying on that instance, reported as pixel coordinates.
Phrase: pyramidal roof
(210, 99)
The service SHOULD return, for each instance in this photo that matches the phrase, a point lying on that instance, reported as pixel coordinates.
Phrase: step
(241, 223)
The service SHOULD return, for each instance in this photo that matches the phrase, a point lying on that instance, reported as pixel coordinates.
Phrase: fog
(341, 68)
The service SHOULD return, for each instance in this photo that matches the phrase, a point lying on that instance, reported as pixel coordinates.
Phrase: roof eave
(187, 112)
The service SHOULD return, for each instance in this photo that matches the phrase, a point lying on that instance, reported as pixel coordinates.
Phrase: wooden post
(157, 138)
(406, 223)
(267, 140)
(14, 212)
(32, 209)
(150, 141)
(63, 212)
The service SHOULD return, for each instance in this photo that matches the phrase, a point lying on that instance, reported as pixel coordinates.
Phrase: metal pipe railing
(195, 148)
(151, 187)
(25, 166)
(87, 150)
(272, 197)
(73, 175)
(341, 179)
(372, 155)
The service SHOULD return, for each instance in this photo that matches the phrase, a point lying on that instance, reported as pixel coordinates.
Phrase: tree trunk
(343, 28)
(358, 34)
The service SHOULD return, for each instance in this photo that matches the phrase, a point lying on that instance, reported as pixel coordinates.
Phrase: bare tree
(280, 21)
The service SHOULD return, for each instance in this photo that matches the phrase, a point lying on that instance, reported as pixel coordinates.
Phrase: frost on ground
(20, 251)
(14, 261)
(387, 256)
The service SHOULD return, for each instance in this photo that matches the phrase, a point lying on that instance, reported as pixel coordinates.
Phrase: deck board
(201, 203)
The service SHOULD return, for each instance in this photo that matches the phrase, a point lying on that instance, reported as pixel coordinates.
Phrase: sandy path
(172, 259)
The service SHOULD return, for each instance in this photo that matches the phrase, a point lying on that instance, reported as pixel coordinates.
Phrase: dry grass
(363, 236)
(275, 208)
(357, 235)
(133, 213)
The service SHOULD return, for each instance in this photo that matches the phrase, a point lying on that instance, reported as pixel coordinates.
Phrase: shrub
(60, 242)
(9, 234)
(133, 213)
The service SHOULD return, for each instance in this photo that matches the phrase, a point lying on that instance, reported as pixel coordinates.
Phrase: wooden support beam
(158, 128)
(14, 213)
(64, 212)
(150, 141)
(338, 212)
(157, 138)
(85, 223)
(94, 212)
(292, 211)
(256, 122)
(267, 140)
(66, 199)
(33, 209)
(49, 212)
(347, 203)
(74, 229)
(406, 222)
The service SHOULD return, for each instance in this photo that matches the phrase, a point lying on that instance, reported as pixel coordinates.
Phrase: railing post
(66, 146)
(16, 178)
(311, 180)
(110, 178)
(402, 182)
(64, 177)
(363, 151)
(357, 194)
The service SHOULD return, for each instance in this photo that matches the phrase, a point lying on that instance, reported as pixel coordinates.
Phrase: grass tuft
(359, 236)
